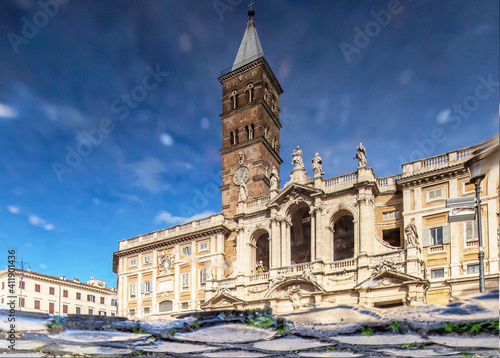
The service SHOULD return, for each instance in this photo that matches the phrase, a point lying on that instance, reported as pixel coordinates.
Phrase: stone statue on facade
(317, 165)
(361, 156)
(309, 276)
(243, 195)
(411, 235)
(295, 294)
(297, 158)
(274, 178)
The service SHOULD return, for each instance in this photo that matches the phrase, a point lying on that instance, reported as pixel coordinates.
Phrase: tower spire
(250, 48)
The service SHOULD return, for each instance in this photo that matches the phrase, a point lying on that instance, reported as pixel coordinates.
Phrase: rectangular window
(52, 290)
(147, 259)
(436, 273)
(391, 215)
(113, 302)
(65, 293)
(102, 313)
(470, 230)
(203, 246)
(91, 311)
(37, 304)
(132, 290)
(436, 236)
(434, 194)
(132, 262)
(147, 286)
(112, 314)
(78, 310)
(22, 302)
(22, 285)
(78, 296)
(132, 312)
(186, 250)
(185, 305)
(51, 307)
(65, 309)
(37, 288)
(90, 298)
(3, 285)
(147, 310)
(472, 269)
(203, 276)
(185, 280)
(102, 300)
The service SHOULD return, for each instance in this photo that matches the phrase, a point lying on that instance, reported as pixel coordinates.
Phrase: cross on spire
(251, 5)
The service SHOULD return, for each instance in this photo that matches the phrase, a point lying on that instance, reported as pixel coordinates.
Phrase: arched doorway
(262, 253)
(343, 238)
(300, 236)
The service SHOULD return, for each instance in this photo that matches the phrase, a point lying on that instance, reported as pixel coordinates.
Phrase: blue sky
(421, 81)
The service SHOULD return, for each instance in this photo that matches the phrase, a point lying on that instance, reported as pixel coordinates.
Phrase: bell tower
(250, 123)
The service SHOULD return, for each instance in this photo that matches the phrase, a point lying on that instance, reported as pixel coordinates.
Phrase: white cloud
(7, 111)
(40, 222)
(147, 174)
(205, 123)
(169, 219)
(13, 209)
(444, 116)
(166, 139)
(43, 266)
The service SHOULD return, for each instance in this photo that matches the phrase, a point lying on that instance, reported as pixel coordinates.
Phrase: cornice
(171, 241)
(432, 176)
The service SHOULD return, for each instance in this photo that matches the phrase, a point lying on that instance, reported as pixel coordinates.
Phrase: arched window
(262, 253)
(250, 131)
(250, 93)
(300, 236)
(234, 100)
(343, 238)
(231, 137)
(236, 136)
(165, 306)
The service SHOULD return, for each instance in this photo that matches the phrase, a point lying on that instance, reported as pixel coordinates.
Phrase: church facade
(307, 241)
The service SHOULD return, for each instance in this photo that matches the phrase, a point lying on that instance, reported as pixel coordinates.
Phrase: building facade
(36, 292)
(309, 241)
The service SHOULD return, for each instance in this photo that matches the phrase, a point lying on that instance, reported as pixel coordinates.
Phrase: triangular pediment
(293, 190)
(387, 278)
(222, 299)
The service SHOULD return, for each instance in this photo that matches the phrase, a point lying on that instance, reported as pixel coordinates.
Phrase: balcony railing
(343, 179)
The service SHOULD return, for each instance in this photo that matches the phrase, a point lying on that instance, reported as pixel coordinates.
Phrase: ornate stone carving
(222, 290)
(241, 158)
(276, 281)
(309, 276)
(388, 281)
(165, 261)
(411, 235)
(385, 265)
(317, 165)
(365, 199)
(258, 289)
(361, 156)
(295, 294)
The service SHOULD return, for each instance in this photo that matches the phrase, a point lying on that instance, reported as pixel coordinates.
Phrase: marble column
(313, 234)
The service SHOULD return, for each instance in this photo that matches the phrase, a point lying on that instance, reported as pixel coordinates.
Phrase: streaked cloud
(36, 220)
(7, 111)
(147, 174)
(166, 139)
(13, 209)
(165, 217)
(444, 116)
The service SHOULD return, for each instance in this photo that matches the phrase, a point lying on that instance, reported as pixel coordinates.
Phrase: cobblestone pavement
(468, 328)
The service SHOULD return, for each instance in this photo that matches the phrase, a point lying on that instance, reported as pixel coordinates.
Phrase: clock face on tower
(241, 175)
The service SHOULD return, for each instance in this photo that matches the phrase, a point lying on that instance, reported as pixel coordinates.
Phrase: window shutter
(425, 237)
(446, 234)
